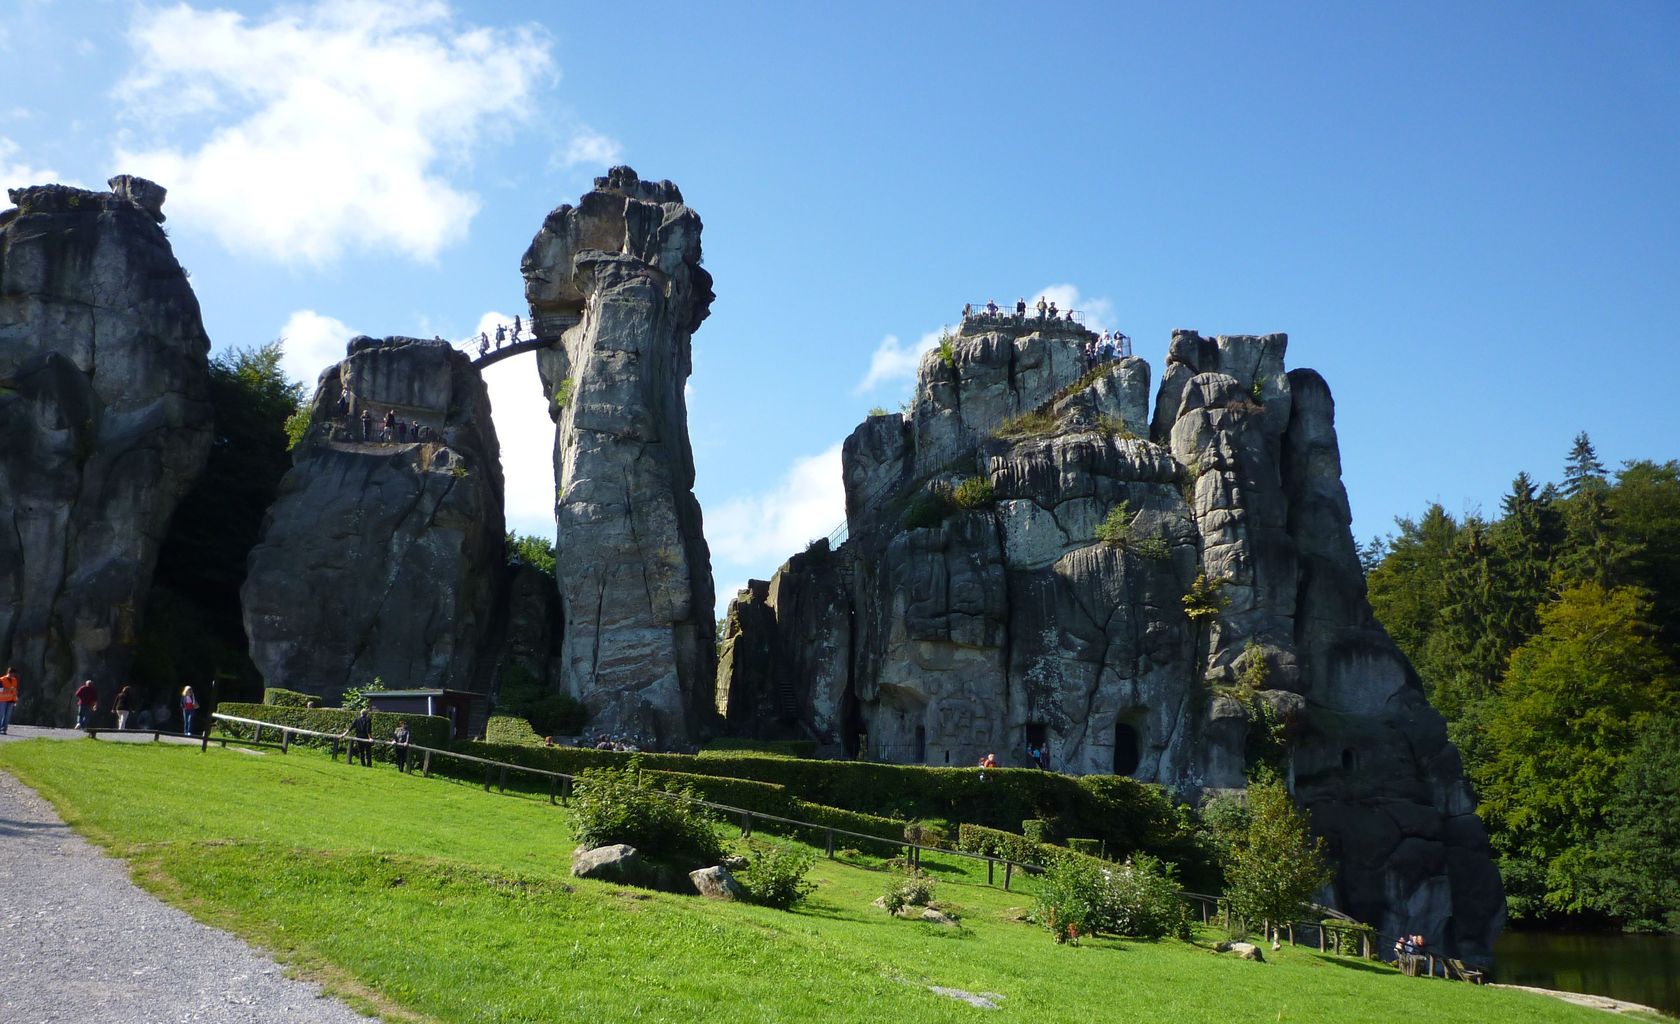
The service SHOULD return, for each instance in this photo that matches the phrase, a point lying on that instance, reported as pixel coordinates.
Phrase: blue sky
(1466, 216)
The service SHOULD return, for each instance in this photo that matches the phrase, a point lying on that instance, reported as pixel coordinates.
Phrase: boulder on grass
(617, 863)
(1245, 950)
(716, 883)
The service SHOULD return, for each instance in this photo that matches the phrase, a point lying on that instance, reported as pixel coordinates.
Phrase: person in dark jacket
(400, 739)
(361, 727)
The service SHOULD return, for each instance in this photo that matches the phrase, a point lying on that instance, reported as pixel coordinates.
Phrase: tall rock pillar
(618, 280)
(105, 424)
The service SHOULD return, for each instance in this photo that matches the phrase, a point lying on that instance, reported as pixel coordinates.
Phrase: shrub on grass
(612, 806)
(1089, 847)
(775, 874)
(1069, 898)
(928, 833)
(914, 891)
(1141, 900)
(1275, 863)
(1037, 830)
(994, 842)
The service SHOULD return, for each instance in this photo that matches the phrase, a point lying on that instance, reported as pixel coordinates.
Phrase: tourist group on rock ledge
(1108, 346)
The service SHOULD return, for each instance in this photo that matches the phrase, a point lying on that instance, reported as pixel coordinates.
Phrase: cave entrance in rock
(1038, 739)
(921, 744)
(1128, 752)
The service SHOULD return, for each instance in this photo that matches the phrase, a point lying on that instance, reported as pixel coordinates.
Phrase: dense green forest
(1547, 637)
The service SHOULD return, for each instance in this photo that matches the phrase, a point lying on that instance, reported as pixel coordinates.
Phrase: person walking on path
(8, 698)
(189, 705)
(123, 706)
(362, 728)
(87, 702)
(399, 740)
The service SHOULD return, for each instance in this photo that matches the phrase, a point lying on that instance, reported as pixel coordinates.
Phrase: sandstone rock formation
(618, 278)
(1025, 569)
(103, 411)
(382, 558)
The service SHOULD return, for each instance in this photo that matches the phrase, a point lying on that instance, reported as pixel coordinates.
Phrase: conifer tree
(1582, 469)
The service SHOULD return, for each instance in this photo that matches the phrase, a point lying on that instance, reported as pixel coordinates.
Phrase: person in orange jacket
(8, 698)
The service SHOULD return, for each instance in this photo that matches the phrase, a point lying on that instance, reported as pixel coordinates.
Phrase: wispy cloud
(315, 129)
(15, 172)
(753, 534)
(311, 342)
(525, 433)
(895, 361)
(589, 147)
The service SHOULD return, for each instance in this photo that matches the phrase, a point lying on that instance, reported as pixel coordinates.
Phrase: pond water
(1638, 968)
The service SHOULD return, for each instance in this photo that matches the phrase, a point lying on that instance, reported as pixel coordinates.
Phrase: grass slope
(425, 899)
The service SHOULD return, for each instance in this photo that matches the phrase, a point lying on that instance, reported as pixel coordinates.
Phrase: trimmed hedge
(997, 843)
(427, 730)
(274, 696)
(751, 794)
(1127, 815)
(765, 748)
(510, 729)
(1089, 847)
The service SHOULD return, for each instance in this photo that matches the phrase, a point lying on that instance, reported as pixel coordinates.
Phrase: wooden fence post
(553, 784)
(1291, 927)
(501, 780)
(1008, 873)
(285, 741)
(990, 864)
(830, 844)
(426, 769)
(487, 776)
(204, 747)
(746, 824)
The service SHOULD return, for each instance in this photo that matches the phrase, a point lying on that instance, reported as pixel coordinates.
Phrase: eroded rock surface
(381, 557)
(106, 425)
(1032, 565)
(619, 276)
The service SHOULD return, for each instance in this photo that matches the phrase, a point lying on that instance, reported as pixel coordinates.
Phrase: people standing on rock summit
(8, 698)
(87, 702)
(991, 308)
(1021, 308)
(1041, 307)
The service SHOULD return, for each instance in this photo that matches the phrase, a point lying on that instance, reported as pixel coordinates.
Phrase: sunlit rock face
(990, 598)
(106, 424)
(383, 556)
(618, 277)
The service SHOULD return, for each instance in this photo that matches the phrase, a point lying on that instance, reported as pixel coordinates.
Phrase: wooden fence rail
(560, 790)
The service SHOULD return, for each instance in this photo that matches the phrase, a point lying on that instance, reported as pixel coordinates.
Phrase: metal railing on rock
(560, 791)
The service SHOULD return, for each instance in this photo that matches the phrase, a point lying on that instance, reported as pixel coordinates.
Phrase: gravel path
(82, 943)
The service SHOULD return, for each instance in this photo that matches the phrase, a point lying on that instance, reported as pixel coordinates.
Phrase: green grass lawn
(426, 899)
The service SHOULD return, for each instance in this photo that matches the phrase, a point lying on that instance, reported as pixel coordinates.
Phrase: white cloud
(756, 533)
(525, 433)
(894, 361)
(591, 147)
(310, 342)
(16, 173)
(331, 126)
(1098, 313)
